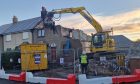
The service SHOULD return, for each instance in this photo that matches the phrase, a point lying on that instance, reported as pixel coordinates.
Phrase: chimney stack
(15, 19)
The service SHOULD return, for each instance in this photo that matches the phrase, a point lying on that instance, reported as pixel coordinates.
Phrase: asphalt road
(2, 81)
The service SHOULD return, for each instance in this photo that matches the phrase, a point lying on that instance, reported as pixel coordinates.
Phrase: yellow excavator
(101, 41)
(102, 44)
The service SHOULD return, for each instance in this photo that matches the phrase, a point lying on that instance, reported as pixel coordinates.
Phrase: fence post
(74, 60)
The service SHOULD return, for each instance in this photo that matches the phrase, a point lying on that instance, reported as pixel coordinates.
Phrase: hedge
(6, 64)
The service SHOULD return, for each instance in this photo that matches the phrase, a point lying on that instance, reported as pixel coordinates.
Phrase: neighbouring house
(122, 41)
(2, 29)
(18, 32)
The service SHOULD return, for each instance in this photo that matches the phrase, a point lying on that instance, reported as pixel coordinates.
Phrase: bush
(6, 56)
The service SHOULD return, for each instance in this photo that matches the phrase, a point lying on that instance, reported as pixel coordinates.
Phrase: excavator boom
(84, 13)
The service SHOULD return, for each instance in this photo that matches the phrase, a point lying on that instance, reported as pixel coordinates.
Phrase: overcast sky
(109, 13)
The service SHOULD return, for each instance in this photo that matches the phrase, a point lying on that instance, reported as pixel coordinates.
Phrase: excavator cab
(102, 42)
(98, 40)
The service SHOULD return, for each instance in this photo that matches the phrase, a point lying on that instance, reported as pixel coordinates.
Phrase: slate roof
(19, 26)
(122, 41)
(4, 27)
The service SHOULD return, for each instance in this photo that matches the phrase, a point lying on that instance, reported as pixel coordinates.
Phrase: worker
(84, 62)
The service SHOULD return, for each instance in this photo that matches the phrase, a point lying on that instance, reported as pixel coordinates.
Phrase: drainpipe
(32, 31)
(1, 50)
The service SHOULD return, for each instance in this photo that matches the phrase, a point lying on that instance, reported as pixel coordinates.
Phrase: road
(2, 81)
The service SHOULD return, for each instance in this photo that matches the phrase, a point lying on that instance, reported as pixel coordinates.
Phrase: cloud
(132, 31)
(123, 23)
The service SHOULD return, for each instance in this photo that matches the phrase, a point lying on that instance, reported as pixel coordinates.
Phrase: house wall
(84, 39)
(86, 46)
(1, 43)
(49, 37)
(79, 34)
(16, 40)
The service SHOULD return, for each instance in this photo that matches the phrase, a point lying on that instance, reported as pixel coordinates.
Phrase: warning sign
(61, 60)
(102, 58)
(37, 58)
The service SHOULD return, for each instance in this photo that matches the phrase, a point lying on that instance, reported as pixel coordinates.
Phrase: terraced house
(32, 31)
(17, 32)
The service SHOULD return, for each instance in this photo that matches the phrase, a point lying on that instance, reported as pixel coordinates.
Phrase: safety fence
(106, 63)
(61, 62)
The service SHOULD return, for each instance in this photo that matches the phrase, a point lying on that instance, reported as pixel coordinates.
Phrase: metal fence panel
(104, 63)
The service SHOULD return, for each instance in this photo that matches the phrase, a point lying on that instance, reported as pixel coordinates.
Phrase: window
(25, 35)
(99, 38)
(70, 34)
(96, 39)
(8, 49)
(41, 32)
(103, 37)
(17, 48)
(8, 37)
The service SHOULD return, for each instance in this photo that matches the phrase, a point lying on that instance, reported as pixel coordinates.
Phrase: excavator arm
(100, 41)
(83, 12)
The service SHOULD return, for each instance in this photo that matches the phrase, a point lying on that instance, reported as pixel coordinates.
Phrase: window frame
(25, 35)
(41, 33)
(10, 37)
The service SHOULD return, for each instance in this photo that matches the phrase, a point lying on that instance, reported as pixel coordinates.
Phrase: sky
(121, 15)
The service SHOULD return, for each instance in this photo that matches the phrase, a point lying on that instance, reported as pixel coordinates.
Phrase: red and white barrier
(102, 80)
(31, 79)
(71, 79)
(3, 75)
(20, 77)
(127, 78)
(111, 80)
(28, 77)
